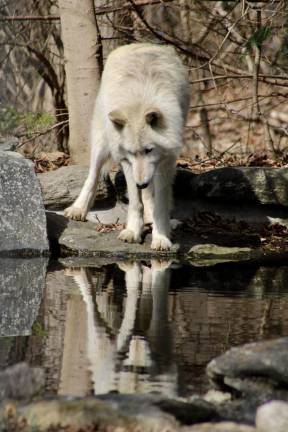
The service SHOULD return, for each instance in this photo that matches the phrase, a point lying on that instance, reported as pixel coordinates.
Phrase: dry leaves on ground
(104, 228)
(270, 235)
(50, 161)
(198, 165)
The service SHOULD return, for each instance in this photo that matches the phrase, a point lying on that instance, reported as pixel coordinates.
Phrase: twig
(38, 133)
(258, 51)
(99, 45)
(167, 38)
(98, 11)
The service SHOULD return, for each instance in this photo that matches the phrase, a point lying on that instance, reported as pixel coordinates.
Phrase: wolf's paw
(161, 265)
(129, 236)
(125, 266)
(75, 213)
(161, 243)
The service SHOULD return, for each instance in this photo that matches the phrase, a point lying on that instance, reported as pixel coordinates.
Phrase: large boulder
(253, 185)
(238, 366)
(23, 221)
(62, 186)
(260, 185)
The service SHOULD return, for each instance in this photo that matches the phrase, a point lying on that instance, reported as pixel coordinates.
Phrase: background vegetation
(236, 52)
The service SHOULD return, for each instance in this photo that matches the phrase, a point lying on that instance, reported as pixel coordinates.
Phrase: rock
(74, 238)
(219, 427)
(272, 417)
(189, 413)
(216, 396)
(8, 143)
(100, 414)
(22, 283)
(71, 237)
(23, 221)
(62, 186)
(262, 185)
(182, 180)
(216, 254)
(268, 359)
(21, 382)
(210, 254)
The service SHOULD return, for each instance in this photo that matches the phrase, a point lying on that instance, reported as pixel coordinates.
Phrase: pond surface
(134, 326)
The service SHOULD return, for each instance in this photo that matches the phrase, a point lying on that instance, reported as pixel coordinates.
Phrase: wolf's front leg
(134, 226)
(162, 205)
(82, 204)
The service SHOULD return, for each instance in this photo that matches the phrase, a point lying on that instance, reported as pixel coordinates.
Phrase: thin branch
(166, 38)
(29, 18)
(98, 11)
(38, 133)
(99, 45)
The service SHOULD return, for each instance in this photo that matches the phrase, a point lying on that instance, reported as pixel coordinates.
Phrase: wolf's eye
(119, 126)
(148, 150)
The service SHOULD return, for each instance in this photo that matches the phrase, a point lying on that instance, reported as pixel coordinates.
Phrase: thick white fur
(138, 81)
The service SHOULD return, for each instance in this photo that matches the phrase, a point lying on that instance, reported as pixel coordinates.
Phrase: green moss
(31, 122)
(37, 122)
(38, 330)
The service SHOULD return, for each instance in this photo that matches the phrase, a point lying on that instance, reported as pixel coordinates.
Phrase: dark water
(134, 327)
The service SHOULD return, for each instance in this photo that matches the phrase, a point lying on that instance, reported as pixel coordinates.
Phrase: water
(134, 327)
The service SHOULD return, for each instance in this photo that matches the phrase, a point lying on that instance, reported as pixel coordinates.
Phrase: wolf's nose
(142, 185)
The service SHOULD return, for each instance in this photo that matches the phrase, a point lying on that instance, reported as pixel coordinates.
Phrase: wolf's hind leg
(99, 155)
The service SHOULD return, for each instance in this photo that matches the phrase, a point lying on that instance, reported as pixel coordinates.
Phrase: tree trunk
(79, 35)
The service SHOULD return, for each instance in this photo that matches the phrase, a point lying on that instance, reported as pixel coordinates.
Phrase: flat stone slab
(22, 217)
(82, 239)
(74, 238)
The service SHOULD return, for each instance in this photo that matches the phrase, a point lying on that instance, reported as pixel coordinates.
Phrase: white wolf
(138, 121)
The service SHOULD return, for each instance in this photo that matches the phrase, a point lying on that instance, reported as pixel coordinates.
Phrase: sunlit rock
(22, 219)
(272, 416)
(267, 359)
(62, 186)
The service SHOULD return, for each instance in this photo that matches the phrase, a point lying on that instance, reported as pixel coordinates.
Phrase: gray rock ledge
(258, 185)
(74, 238)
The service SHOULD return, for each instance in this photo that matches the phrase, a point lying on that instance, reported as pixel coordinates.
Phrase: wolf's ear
(154, 118)
(117, 118)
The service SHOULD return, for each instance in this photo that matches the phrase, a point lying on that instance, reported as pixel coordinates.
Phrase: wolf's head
(141, 136)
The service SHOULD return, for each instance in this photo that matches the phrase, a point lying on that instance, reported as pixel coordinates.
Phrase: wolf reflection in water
(126, 360)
